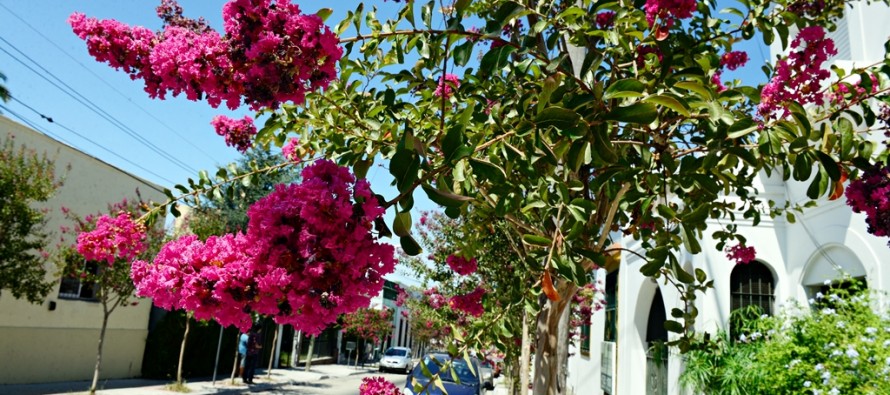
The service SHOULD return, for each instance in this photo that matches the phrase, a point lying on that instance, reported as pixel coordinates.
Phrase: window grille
(74, 287)
(752, 284)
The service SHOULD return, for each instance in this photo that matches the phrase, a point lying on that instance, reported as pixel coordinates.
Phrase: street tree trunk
(185, 337)
(525, 356)
(311, 350)
(272, 357)
(237, 355)
(551, 351)
(105, 315)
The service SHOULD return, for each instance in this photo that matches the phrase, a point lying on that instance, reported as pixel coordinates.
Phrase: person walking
(254, 347)
(242, 353)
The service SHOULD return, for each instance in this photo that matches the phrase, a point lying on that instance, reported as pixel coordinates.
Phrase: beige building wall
(38, 344)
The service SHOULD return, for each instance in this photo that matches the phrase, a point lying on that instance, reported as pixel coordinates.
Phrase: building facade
(58, 340)
(794, 261)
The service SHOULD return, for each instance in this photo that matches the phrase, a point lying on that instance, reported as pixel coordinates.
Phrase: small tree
(368, 324)
(26, 178)
(106, 247)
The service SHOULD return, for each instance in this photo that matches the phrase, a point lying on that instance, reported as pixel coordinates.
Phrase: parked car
(487, 372)
(396, 358)
(459, 378)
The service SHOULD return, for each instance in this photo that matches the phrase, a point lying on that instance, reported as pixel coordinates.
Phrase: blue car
(458, 378)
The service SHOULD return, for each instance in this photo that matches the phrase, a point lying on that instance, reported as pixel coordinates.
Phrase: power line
(95, 108)
(162, 123)
(72, 131)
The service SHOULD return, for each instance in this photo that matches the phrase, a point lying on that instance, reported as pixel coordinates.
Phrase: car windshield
(458, 366)
(394, 352)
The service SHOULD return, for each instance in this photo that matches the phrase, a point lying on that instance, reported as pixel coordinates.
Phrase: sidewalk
(198, 386)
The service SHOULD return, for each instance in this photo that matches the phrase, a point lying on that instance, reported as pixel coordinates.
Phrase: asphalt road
(337, 386)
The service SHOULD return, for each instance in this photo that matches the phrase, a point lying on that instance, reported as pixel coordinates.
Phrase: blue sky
(42, 60)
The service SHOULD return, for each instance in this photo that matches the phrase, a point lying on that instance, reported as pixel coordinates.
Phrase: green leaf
(624, 88)
(741, 128)
(559, 117)
(488, 170)
(410, 246)
(403, 167)
(495, 59)
(445, 198)
(642, 113)
(669, 102)
(844, 127)
(673, 326)
(426, 13)
(830, 166)
(536, 240)
(462, 53)
(324, 13)
(696, 87)
(401, 224)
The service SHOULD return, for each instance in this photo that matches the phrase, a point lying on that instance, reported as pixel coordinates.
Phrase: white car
(397, 358)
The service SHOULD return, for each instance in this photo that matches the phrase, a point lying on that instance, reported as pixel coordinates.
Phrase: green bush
(840, 344)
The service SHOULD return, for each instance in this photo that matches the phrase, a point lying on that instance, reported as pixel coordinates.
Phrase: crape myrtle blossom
(741, 254)
(271, 53)
(308, 257)
(289, 150)
(461, 265)
(238, 132)
(313, 250)
(665, 11)
(113, 238)
(470, 303)
(211, 279)
(798, 78)
(378, 385)
(870, 194)
(447, 84)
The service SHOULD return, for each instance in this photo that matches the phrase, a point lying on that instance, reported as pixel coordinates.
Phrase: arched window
(752, 292)
(752, 284)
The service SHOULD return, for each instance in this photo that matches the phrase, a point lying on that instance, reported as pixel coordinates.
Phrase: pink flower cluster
(308, 257)
(314, 250)
(289, 151)
(852, 90)
(470, 303)
(734, 59)
(807, 7)
(113, 238)
(461, 265)
(798, 78)
(667, 11)
(605, 19)
(434, 298)
(447, 84)
(378, 385)
(212, 279)
(238, 132)
(870, 194)
(271, 53)
(741, 254)
(731, 60)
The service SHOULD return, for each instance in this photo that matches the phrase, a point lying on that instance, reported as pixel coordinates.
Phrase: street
(347, 385)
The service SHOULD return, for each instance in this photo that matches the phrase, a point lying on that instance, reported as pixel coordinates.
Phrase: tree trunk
(358, 352)
(237, 355)
(272, 357)
(551, 352)
(105, 315)
(525, 356)
(182, 349)
(311, 350)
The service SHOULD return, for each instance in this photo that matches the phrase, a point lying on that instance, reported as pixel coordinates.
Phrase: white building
(793, 262)
(57, 340)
